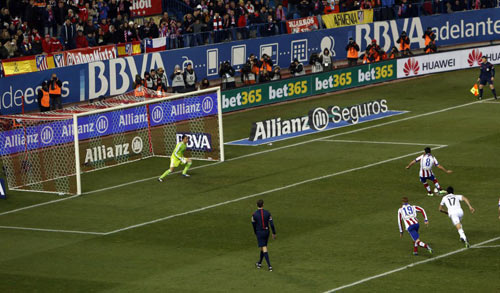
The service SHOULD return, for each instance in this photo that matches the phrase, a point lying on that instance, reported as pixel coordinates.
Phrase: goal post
(105, 136)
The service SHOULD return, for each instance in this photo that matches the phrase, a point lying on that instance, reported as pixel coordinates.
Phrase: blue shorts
(262, 237)
(424, 179)
(484, 81)
(413, 231)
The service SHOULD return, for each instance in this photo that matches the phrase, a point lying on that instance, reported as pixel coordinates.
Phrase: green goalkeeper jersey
(179, 150)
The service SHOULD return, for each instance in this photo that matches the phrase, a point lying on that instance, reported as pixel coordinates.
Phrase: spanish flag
(474, 90)
(19, 65)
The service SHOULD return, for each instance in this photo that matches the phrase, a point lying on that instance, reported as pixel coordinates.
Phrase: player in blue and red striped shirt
(261, 221)
(427, 161)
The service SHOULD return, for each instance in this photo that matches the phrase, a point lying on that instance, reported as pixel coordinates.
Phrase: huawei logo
(475, 57)
(411, 66)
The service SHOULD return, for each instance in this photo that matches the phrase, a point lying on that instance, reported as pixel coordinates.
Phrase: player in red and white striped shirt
(408, 215)
(427, 161)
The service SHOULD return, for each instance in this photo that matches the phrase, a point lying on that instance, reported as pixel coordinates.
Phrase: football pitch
(334, 197)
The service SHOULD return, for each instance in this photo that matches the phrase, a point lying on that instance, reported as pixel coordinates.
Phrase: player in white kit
(455, 212)
(408, 215)
(427, 161)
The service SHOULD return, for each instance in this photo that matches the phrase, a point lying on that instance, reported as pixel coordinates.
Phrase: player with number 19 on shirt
(408, 215)
(427, 161)
(455, 212)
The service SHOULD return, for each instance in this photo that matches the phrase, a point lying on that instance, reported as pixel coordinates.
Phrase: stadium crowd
(31, 27)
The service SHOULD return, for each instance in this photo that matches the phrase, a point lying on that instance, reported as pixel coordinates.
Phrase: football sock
(462, 234)
(187, 167)
(415, 247)
(494, 93)
(261, 256)
(427, 187)
(421, 244)
(480, 93)
(266, 255)
(165, 174)
(436, 183)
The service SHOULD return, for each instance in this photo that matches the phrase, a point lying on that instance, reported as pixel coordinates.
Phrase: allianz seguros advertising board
(130, 119)
(318, 119)
(116, 76)
(446, 61)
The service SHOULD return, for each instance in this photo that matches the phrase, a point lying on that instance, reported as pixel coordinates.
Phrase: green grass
(331, 231)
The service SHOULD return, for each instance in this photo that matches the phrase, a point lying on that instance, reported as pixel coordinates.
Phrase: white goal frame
(134, 105)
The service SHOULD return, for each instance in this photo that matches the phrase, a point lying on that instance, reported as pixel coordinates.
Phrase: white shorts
(456, 216)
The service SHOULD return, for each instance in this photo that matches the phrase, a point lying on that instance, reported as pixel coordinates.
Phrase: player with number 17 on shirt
(455, 212)
(427, 161)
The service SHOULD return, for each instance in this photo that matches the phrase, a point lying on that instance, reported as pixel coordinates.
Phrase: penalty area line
(384, 142)
(411, 265)
(53, 230)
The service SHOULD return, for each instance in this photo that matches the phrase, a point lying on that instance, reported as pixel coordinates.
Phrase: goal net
(48, 152)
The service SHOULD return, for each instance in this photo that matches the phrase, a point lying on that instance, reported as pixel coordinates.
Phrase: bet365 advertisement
(283, 90)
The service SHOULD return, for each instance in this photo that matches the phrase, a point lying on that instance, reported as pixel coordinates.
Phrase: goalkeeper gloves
(183, 160)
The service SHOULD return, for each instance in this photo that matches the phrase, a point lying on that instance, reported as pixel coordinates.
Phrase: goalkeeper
(178, 158)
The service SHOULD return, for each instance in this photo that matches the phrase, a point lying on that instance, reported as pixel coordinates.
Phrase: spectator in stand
(187, 28)
(49, 21)
(111, 37)
(4, 53)
(217, 27)
(317, 7)
(366, 4)
(68, 34)
(404, 44)
(269, 28)
(46, 44)
(26, 49)
(36, 46)
(113, 10)
(352, 52)
(177, 78)
(387, 12)
(91, 39)
(55, 92)
(12, 49)
(81, 40)
(304, 8)
(60, 12)
(190, 78)
(292, 8)
(103, 9)
(243, 25)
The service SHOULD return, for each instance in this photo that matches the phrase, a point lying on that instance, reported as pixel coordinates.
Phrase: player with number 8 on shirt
(427, 161)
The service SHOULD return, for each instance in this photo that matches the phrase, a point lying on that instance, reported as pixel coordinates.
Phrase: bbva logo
(197, 141)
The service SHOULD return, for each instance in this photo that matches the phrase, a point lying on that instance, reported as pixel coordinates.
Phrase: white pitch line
(266, 151)
(410, 266)
(36, 205)
(487, 246)
(52, 230)
(382, 142)
(264, 192)
(490, 102)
